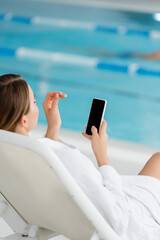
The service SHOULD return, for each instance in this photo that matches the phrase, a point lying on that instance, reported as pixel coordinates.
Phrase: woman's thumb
(94, 130)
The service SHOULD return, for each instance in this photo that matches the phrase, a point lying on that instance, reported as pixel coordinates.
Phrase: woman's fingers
(49, 98)
(55, 100)
(94, 131)
(86, 135)
(103, 127)
(51, 94)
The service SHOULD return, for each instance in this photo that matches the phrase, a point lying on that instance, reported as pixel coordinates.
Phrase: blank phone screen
(95, 116)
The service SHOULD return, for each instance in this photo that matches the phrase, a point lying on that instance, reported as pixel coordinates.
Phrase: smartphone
(96, 114)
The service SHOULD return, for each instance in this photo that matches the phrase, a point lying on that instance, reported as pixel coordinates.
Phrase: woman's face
(32, 116)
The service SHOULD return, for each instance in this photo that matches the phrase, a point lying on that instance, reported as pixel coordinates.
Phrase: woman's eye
(35, 101)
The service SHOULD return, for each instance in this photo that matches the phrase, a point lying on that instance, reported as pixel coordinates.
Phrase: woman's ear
(23, 121)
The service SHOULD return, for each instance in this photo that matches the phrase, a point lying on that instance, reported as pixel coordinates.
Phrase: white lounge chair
(39, 199)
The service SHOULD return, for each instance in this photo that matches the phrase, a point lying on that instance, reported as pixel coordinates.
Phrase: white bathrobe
(130, 204)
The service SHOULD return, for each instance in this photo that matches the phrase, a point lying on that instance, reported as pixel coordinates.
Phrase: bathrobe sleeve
(117, 206)
(109, 198)
(111, 179)
(102, 186)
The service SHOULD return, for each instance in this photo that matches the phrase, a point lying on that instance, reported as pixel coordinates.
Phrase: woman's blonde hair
(14, 101)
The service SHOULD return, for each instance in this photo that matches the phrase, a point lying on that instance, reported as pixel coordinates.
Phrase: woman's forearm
(50, 106)
(52, 134)
(102, 160)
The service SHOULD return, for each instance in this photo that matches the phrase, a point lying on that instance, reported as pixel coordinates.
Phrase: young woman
(130, 204)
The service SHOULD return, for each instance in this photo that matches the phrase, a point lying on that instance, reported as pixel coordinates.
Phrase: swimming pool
(133, 109)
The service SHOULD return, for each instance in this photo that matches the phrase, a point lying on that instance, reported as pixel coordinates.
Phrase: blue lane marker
(7, 51)
(112, 67)
(138, 32)
(21, 19)
(149, 72)
(99, 27)
(103, 28)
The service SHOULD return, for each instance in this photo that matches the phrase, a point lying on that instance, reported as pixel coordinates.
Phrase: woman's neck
(21, 131)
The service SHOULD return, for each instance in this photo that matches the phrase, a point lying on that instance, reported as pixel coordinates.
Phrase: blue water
(133, 109)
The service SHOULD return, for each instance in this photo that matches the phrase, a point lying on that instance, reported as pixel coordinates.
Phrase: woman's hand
(99, 143)
(50, 106)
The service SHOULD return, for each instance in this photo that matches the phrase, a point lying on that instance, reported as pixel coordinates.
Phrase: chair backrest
(39, 187)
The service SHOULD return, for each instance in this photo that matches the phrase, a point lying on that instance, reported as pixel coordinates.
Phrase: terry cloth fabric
(130, 204)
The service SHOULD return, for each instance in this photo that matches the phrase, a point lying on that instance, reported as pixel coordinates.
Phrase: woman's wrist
(102, 160)
(52, 134)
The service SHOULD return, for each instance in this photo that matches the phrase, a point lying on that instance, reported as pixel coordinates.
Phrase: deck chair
(39, 198)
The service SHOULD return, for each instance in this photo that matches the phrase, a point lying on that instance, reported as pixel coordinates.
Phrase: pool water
(133, 108)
